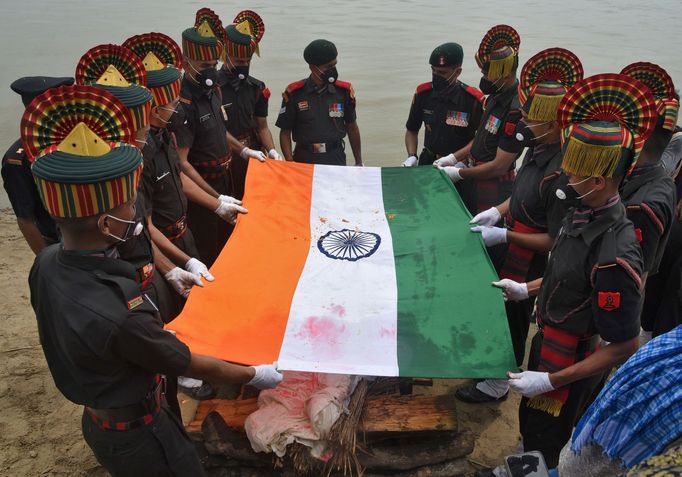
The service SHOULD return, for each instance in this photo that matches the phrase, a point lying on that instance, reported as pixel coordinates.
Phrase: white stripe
(343, 316)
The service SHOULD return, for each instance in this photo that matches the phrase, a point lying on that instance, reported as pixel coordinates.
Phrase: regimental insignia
(609, 301)
(303, 106)
(638, 234)
(135, 302)
(441, 60)
(336, 110)
(457, 118)
(346, 244)
(492, 124)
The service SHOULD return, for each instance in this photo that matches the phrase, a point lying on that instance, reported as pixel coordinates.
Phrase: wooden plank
(383, 414)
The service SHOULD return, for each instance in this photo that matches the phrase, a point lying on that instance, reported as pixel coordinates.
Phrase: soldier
(450, 110)
(245, 98)
(204, 145)
(649, 193)
(487, 165)
(533, 213)
(591, 288)
(103, 339)
(34, 222)
(318, 112)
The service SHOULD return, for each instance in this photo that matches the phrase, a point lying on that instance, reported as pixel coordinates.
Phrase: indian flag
(354, 270)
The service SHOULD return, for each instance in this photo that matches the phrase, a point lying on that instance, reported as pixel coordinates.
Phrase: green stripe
(451, 321)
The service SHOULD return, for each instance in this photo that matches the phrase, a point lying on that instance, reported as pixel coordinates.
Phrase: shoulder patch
(343, 84)
(609, 301)
(296, 85)
(266, 93)
(185, 100)
(424, 87)
(475, 92)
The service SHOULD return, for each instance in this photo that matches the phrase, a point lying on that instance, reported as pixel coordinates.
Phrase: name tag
(205, 118)
(336, 110)
(492, 124)
(457, 118)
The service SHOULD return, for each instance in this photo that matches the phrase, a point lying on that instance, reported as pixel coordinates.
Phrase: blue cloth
(639, 411)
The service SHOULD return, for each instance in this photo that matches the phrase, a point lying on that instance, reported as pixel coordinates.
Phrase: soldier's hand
(273, 154)
(487, 217)
(491, 235)
(198, 268)
(182, 281)
(229, 200)
(411, 161)
(513, 291)
(266, 376)
(248, 153)
(228, 212)
(452, 172)
(530, 383)
(449, 160)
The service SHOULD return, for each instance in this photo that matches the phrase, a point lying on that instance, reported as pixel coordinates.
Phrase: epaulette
(185, 100)
(424, 87)
(296, 85)
(475, 92)
(347, 86)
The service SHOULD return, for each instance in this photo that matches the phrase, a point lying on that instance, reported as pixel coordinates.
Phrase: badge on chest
(336, 110)
(303, 106)
(492, 124)
(457, 118)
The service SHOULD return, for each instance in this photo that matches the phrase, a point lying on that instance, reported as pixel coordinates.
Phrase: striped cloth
(639, 411)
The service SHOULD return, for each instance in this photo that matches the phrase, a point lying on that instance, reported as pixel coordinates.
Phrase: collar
(312, 87)
(640, 176)
(544, 153)
(592, 223)
(194, 89)
(96, 260)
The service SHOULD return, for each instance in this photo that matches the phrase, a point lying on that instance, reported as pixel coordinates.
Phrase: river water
(383, 45)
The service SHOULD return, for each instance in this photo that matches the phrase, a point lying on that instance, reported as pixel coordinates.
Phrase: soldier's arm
(490, 170)
(264, 133)
(354, 137)
(189, 170)
(464, 152)
(198, 195)
(411, 142)
(160, 260)
(541, 242)
(171, 251)
(31, 234)
(234, 143)
(217, 371)
(285, 144)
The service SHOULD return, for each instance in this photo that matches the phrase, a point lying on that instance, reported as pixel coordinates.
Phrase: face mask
(133, 230)
(158, 116)
(524, 134)
(581, 182)
(206, 77)
(241, 72)
(441, 83)
(490, 87)
(330, 75)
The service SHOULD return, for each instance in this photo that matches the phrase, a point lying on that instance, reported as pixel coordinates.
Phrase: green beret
(447, 54)
(319, 52)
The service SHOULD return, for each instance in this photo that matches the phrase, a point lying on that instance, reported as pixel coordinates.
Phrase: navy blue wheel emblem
(348, 244)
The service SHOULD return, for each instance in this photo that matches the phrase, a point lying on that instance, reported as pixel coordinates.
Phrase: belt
(135, 415)
(320, 147)
(176, 230)
(214, 168)
(586, 344)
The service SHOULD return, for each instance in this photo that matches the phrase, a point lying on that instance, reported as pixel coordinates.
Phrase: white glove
(273, 154)
(452, 172)
(449, 160)
(491, 235)
(411, 161)
(513, 291)
(196, 267)
(487, 217)
(266, 376)
(530, 383)
(182, 281)
(229, 200)
(248, 153)
(228, 212)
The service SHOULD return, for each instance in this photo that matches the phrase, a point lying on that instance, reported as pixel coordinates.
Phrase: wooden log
(383, 414)
(220, 439)
(404, 453)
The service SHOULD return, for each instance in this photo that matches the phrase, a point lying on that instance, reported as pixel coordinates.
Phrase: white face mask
(136, 230)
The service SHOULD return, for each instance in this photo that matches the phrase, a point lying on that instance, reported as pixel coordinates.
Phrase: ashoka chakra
(348, 244)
